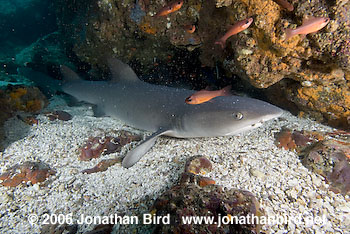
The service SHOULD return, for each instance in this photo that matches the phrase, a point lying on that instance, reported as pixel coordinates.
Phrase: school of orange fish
(310, 25)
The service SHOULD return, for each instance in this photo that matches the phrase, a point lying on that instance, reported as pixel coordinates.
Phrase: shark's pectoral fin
(98, 111)
(134, 155)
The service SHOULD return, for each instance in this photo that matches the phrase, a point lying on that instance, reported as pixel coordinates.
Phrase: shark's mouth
(246, 128)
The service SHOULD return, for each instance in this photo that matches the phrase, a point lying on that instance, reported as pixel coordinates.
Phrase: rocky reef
(311, 71)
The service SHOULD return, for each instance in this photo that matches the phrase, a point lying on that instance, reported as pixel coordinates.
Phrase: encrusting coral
(28, 171)
(96, 146)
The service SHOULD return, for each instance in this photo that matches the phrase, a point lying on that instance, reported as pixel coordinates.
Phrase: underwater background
(293, 54)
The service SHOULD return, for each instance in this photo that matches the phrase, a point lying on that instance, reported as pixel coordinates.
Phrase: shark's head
(228, 116)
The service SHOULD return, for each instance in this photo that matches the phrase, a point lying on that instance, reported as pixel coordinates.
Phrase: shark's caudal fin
(121, 71)
(134, 155)
(46, 84)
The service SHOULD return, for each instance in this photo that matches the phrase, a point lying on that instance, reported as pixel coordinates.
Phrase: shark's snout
(274, 112)
(260, 111)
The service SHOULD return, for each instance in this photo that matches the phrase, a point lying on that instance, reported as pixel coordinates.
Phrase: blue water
(22, 22)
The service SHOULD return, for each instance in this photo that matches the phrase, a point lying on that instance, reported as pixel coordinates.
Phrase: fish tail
(220, 42)
(289, 33)
(226, 91)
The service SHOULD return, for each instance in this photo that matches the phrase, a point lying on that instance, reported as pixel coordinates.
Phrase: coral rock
(28, 171)
(61, 115)
(102, 166)
(31, 120)
(28, 99)
(195, 195)
(107, 145)
(95, 146)
(211, 201)
(59, 229)
(198, 165)
(331, 159)
(297, 140)
(189, 178)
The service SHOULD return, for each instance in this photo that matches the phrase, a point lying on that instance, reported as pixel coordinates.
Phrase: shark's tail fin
(48, 85)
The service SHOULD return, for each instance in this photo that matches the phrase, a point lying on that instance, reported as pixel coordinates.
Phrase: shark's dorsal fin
(69, 74)
(134, 155)
(121, 71)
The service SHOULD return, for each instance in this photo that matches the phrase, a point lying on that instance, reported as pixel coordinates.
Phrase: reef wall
(310, 71)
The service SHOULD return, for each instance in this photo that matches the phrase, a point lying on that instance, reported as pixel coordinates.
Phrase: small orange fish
(190, 28)
(170, 8)
(285, 4)
(238, 27)
(310, 25)
(206, 95)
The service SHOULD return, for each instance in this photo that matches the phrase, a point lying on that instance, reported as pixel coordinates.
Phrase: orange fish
(206, 95)
(190, 28)
(285, 4)
(170, 8)
(238, 27)
(310, 25)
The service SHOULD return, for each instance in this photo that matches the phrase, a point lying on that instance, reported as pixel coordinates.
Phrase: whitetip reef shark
(162, 110)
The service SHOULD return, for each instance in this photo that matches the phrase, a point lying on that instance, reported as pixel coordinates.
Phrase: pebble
(329, 208)
(293, 182)
(61, 188)
(4, 198)
(27, 198)
(344, 208)
(257, 173)
(292, 193)
(316, 180)
(36, 187)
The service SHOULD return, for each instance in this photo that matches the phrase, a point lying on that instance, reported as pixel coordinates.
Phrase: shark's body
(163, 110)
(46, 84)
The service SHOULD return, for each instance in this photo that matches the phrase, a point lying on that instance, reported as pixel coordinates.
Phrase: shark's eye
(238, 115)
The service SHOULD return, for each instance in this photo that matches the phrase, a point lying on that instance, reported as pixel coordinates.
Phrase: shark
(46, 84)
(162, 110)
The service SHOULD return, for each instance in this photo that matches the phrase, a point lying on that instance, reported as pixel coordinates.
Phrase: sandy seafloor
(249, 161)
